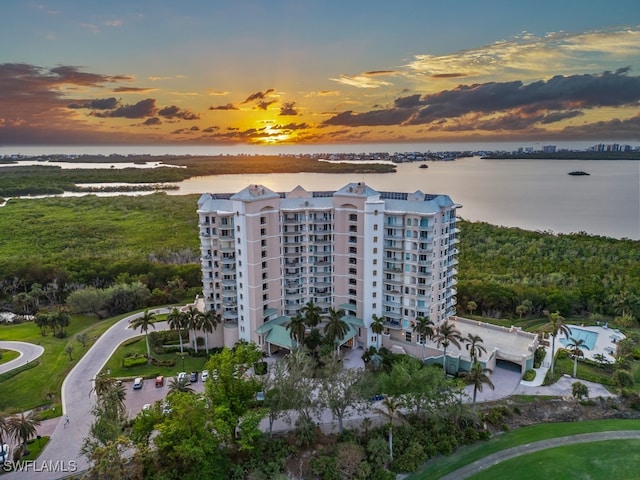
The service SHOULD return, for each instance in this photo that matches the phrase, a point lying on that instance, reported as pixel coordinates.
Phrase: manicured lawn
(137, 345)
(8, 355)
(440, 466)
(613, 459)
(40, 385)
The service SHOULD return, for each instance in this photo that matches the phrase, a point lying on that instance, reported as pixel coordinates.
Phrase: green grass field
(440, 466)
(137, 345)
(8, 355)
(40, 386)
(614, 459)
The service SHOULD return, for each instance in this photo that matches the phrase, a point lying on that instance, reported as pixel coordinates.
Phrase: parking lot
(149, 393)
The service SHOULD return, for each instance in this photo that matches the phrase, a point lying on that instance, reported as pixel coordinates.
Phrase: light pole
(182, 356)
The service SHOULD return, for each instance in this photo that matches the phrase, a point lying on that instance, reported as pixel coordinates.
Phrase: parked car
(182, 377)
(204, 375)
(159, 381)
(137, 383)
(193, 377)
(146, 406)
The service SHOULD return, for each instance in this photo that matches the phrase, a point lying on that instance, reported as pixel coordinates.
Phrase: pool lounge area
(597, 340)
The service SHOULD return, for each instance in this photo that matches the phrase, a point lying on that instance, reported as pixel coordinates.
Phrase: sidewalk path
(28, 353)
(77, 402)
(494, 459)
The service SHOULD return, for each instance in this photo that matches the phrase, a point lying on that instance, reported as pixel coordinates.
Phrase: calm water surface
(531, 194)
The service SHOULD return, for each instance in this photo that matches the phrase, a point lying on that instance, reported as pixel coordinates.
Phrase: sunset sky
(318, 72)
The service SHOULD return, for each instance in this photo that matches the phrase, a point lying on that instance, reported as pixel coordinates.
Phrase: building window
(352, 291)
(353, 271)
(263, 243)
(375, 250)
(407, 337)
(375, 227)
(353, 281)
(263, 220)
(374, 294)
(264, 254)
(353, 217)
(375, 239)
(353, 228)
(263, 231)
(353, 250)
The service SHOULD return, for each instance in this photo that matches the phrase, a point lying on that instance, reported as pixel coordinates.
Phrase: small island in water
(578, 173)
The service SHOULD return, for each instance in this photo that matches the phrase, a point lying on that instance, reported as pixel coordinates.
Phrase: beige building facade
(267, 254)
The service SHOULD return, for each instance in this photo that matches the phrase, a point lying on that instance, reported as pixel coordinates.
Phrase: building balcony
(229, 303)
(394, 281)
(392, 303)
(230, 315)
(393, 324)
(229, 282)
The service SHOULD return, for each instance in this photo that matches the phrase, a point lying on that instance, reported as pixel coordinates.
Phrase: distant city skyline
(155, 72)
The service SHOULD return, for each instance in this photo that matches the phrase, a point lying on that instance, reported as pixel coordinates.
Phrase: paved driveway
(28, 353)
(77, 402)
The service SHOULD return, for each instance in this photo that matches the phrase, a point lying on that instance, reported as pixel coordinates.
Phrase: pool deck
(606, 343)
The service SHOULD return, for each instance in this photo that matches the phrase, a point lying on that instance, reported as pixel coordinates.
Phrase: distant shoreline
(564, 156)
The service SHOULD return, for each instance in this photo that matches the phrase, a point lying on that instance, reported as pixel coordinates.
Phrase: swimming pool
(588, 336)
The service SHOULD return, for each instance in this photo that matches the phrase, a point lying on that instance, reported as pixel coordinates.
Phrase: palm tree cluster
(21, 428)
(56, 320)
(190, 319)
(310, 317)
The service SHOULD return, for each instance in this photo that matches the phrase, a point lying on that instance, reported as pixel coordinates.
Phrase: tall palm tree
(209, 322)
(473, 345)
(192, 320)
(447, 334)
(576, 346)
(377, 327)
(176, 321)
(297, 328)
(336, 328)
(424, 328)
(179, 385)
(143, 322)
(478, 377)
(556, 324)
(312, 314)
(391, 411)
(102, 383)
(22, 427)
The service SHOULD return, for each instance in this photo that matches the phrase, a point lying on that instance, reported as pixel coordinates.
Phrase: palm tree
(392, 413)
(377, 327)
(556, 324)
(471, 306)
(22, 428)
(102, 384)
(424, 328)
(478, 377)
(143, 322)
(192, 320)
(209, 321)
(179, 385)
(447, 334)
(336, 328)
(312, 314)
(473, 345)
(576, 346)
(176, 321)
(297, 328)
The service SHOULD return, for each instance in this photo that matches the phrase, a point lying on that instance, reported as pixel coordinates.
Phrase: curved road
(491, 460)
(77, 402)
(28, 353)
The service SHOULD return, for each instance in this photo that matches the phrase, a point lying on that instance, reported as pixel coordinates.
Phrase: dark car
(193, 377)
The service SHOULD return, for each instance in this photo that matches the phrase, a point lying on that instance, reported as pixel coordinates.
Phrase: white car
(182, 377)
(137, 383)
(146, 406)
(204, 375)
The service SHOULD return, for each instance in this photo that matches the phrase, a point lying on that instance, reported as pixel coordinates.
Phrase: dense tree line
(576, 274)
(58, 245)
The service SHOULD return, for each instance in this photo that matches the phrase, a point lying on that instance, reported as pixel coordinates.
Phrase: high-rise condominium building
(266, 255)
